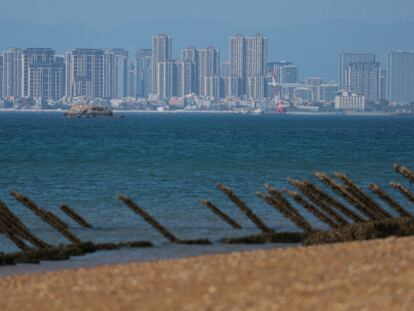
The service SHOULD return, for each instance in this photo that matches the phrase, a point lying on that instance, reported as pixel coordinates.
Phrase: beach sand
(375, 275)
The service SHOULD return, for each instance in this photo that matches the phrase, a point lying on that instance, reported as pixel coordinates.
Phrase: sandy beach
(375, 275)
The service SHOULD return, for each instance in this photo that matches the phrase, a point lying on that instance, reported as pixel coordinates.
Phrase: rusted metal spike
(293, 216)
(354, 189)
(75, 216)
(244, 208)
(317, 200)
(19, 228)
(390, 201)
(57, 220)
(148, 218)
(341, 191)
(221, 214)
(45, 216)
(8, 231)
(331, 201)
(404, 191)
(405, 171)
(312, 209)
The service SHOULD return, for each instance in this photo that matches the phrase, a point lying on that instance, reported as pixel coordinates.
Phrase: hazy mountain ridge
(313, 47)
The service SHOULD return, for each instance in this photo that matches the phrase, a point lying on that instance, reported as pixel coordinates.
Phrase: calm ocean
(168, 162)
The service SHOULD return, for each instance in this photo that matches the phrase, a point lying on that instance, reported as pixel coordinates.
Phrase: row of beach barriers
(349, 213)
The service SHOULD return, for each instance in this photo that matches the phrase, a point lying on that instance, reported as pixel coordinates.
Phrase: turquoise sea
(168, 162)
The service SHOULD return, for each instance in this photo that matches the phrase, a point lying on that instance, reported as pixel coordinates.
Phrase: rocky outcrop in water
(88, 111)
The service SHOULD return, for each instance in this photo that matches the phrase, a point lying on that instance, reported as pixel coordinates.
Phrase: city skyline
(245, 74)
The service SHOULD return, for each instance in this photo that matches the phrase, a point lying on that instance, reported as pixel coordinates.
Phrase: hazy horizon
(104, 15)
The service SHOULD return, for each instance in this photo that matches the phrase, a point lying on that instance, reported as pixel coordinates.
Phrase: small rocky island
(88, 111)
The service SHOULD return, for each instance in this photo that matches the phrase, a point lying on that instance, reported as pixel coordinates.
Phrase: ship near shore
(88, 111)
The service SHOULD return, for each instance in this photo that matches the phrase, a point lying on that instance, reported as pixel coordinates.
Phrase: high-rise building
(289, 74)
(39, 57)
(115, 73)
(85, 73)
(191, 55)
(232, 86)
(12, 60)
(132, 78)
(256, 87)
(256, 55)
(144, 73)
(186, 76)
(364, 78)
(46, 79)
(347, 58)
(209, 66)
(401, 76)
(274, 70)
(212, 87)
(1, 76)
(161, 53)
(383, 85)
(165, 79)
(238, 60)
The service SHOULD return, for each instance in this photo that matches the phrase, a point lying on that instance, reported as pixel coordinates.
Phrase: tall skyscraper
(132, 78)
(36, 57)
(12, 60)
(161, 53)
(46, 79)
(238, 60)
(165, 79)
(213, 87)
(364, 78)
(1, 76)
(186, 76)
(191, 54)
(115, 73)
(85, 73)
(256, 65)
(144, 72)
(401, 76)
(256, 55)
(209, 66)
(347, 58)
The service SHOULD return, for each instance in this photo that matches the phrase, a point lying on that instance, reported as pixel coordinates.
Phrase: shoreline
(372, 275)
(289, 113)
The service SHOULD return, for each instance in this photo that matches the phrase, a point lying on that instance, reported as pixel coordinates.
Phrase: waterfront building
(209, 66)
(364, 78)
(191, 54)
(256, 87)
(347, 58)
(238, 60)
(345, 100)
(161, 53)
(401, 76)
(232, 86)
(115, 73)
(46, 79)
(132, 78)
(212, 87)
(12, 60)
(85, 73)
(186, 76)
(144, 73)
(1, 76)
(314, 84)
(165, 79)
(39, 58)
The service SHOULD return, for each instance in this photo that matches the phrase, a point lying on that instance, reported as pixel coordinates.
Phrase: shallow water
(168, 162)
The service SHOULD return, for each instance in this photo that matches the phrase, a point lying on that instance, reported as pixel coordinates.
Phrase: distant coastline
(298, 113)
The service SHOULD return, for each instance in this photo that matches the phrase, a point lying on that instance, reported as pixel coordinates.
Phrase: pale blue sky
(105, 14)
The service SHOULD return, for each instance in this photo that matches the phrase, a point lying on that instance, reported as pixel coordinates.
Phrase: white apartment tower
(161, 53)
